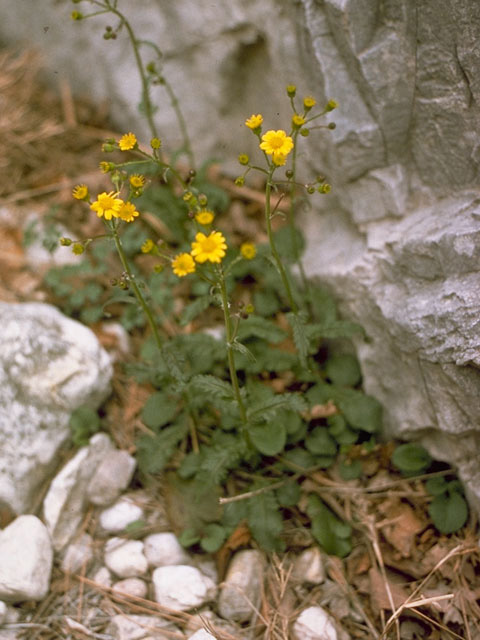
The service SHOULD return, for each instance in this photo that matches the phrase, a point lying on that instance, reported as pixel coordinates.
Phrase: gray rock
(66, 500)
(164, 549)
(182, 587)
(309, 567)
(49, 366)
(125, 557)
(132, 587)
(78, 554)
(117, 517)
(3, 611)
(314, 623)
(240, 593)
(136, 627)
(112, 476)
(26, 560)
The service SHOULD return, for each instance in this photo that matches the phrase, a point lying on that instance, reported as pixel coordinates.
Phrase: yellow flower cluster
(108, 206)
(211, 248)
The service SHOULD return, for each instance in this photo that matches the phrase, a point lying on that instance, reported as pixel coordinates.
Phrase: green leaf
(265, 521)
(320, 393)
(289, 494)
(269, 438)
(154, 452)
(194, 309)
(332, 534)
(323, 305)
(268, 408)
(289, 246)
(298, 323)
(338, 428)
(213, 537)
(320, 442)
(301, 459)
(449, 512)
(344, 370)
(360, 410)
(225, 452)
(257, 327)
(266, 302)
(241, 348)
(159, 409)
(436, 486)
(411, 458)
(351, 470)
(212, 386)
(84, 422)
(233, 513)
(188, 537)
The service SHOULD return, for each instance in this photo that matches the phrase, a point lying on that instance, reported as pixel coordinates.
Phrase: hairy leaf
(411, 458)
(344, 370)
(265, 521)
(269, 437)
(153, 452)
(159, 409)
(298, 323)
(257, 327)
(194, 309)
(449, 512)
(332, 534)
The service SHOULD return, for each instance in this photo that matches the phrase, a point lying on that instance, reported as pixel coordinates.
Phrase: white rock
(3, 611)
(78, 554)
(117, 517)
(49, 366)
(206, 619)
(136, 627)
(182, 587)
(164, 549)
(201, 634)
(111, 477)
(314, 623)
(66, 500)
(125, 557)
(132, 587)
(241, 590)
(308, 567)
(26, 557)
(103, 577)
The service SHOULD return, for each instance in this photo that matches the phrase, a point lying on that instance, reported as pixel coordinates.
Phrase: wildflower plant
(273, 400)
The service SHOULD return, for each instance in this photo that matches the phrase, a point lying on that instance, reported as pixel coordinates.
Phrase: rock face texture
(49, 366)
(397, 239)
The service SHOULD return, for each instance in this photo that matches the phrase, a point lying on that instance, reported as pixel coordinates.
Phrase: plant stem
(138, 294)
(181, 121)
(230, 354)
(273, 248)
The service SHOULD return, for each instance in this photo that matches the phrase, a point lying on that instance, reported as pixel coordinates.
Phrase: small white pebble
(125, 557)
(132, 587)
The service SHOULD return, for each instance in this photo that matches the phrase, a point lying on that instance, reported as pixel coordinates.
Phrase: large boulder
(397, 239)
(49, 366)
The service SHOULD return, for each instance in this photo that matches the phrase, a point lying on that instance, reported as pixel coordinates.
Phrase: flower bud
(65, 242)
(291, 90)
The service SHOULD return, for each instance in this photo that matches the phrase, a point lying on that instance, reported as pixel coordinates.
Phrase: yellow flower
(127, 142)
(248, 250)
(80, 192)
(309, 102)
(155, 143)
(183, 264)
(105, 167)
(291, 90)
(277, 144)
(128, 211)
(243, 158)
(211, 247)
(331, 105)
(78, 248)
(137, 181)
(204, 217)
(107, 205)
(147, 246)
(297, 120)
(254, 122)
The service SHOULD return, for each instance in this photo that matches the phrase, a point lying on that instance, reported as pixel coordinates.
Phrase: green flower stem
(135, 288)
(230, 354)
(291, 215)
(145, 88)
(273, 248)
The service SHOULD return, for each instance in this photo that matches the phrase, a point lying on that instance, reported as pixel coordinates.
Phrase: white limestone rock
(49, 366)
(3, 612)
(138, 627)
(125, 557)
(164, 549)
(117, 517)
(182, 587)
(103, 577)
(241, 590)
(309, 567)
(132, 587)
(26, 557)
(78, 554)
(65, 503)
(201, 634)
(314, 623)
(111, 477)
